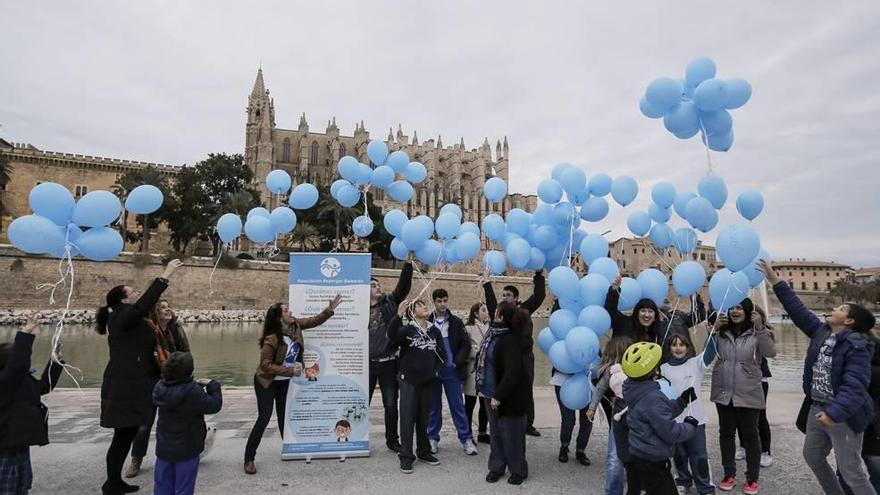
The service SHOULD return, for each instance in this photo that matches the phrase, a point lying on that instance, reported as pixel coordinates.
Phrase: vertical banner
(327, 407)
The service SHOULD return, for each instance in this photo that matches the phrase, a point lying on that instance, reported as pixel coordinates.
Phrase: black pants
(415, 403)
(142, 439)
(567, 428)
(470, 403)
(385, 373)
(507, 450)
(763, 424)
(118, 451)
(275, 393)
(655, 476)
(530, 370)
(633, 482)
(745, 421)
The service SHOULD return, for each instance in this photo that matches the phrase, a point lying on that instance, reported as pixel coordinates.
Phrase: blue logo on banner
(330, 269)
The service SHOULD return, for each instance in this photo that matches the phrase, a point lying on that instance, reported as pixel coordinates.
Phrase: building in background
(813, 276)
(634, 255)
(864, 276)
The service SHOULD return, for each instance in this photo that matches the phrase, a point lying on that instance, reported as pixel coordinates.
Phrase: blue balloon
(594, 209)
(661, 235)
(277, 182)
(563, 281)
(467, 246)
(495, 262)
(399, 249)
(364, 174)
(749, 204)
(659, 214)
(593, 288)
(430, 252)
(451, 208)
(663, 194)
(600, 185)
(393, 221)
(561, 321)
(426, 225)
(382, 176)
(96, 209)
(70, 234)
(738, 93)
(688, 278)
(573, 180)
(469, 227)
(699, 70)
(606, 267)
(377, 151)
(576, 392)
(229, 227)
(639, 223)
(560, 359)
(624, 189)
(101, 243)
(545, 340)
(336, 186)
(258, 211)
(494, 227)
(577, 239)
(727, 289)
(550, 191)
(718, 122)
(654, 285)
(413, 235)
(737, 246)
(304, 196)
(283, 220)
(543, 215)
(35, 234)
(416, 172)
(667, 389)
(556, 174)
(681, 201)
(349, 196)
(753, 271)
(663, 93)
(630, 294)
(144, 199)
(398, 161)
(52, 201)
(564, 213)
(545, 237)
(582, 345)
(519, 253)
(710, 94)
(518, 221)
(593, 246)
(701, 215)
(348, 167)
(259, 229)
(537, 260)
(649, 110)
(450, 251)
(400, 191)
(362, 226)
(596, 318)
(447, 226)
(683, 120)
(685, 240)
(495, 189)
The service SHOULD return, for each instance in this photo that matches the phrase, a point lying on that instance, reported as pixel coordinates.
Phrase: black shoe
(406, 466)
(515, 480)
(492, 477)
(483, 438)
(582, 458)
(118, 488)
(563, 454)
(429, 459)
(532, 432)
(394, 446)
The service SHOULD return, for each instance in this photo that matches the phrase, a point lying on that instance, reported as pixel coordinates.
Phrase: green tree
(123, 186)
(5, 172)
(304, 238)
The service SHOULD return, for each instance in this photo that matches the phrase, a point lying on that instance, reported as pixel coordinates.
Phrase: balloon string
(706, 144)
(650, 245)
(211, 277)
(671, 316)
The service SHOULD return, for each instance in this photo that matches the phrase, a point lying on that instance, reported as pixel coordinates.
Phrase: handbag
(803, 414)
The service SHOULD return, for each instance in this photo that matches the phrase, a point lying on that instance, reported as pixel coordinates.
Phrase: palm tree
(239, 202)
(306, 235)
(331, 212)
(124, 184)
(5, 172)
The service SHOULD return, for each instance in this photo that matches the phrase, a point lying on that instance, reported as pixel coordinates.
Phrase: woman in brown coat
(281, 357)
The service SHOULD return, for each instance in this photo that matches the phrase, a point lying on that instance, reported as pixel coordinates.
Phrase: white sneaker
(209, 441)
(766, 459)
(435, 446)
(469, 447)
(740, 454)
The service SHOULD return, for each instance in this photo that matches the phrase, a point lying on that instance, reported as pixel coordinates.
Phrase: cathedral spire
(259, 85)
(390, 135)
(415, 140)
(461, 143)
(439, 142)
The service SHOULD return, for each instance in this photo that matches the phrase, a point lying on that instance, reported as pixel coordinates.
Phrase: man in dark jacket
(22, 416)
(180, 432)
(511, 294)
(383, 352)
(837, 371)
(457, 345)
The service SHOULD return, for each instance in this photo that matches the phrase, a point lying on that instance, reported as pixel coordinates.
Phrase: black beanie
(178, 367)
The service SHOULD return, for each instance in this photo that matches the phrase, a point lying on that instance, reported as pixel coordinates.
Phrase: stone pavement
(74, 462)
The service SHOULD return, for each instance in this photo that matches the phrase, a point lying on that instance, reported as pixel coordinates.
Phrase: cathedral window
(80, 191)
(285, 150)
(313, 153)
(341, 150)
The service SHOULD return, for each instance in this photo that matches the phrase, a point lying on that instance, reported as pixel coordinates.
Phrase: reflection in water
(229, 353)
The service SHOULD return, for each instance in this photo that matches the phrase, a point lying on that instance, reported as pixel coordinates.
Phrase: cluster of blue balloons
(447, 240)
(56, 225)
(697, 103)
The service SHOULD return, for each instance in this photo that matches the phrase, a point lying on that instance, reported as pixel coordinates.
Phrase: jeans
(847, 445)
(872, 462)
(692, 463)
(385, 373)
(415, 401)
(276, 393)
(449, 382)
(614, 472)
(142, 439)
(568, 419)
(508, 444)
(745, 420)
(655, 477)
(176, 478)
(470, 403)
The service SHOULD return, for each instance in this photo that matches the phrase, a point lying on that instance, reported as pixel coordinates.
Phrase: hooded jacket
(180, 431)
(653, 431)
(380, 345)
(421, 352)
(630, 326)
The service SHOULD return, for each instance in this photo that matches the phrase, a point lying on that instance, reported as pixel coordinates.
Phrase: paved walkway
(74, 461)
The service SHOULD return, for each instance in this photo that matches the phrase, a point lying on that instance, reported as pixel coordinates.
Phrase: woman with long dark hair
(477, 326)
(281, 357)
(131, 373)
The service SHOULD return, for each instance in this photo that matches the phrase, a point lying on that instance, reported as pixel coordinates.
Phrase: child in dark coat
(181, 430)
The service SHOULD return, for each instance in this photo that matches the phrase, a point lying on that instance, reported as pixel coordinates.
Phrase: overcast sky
(168, 82)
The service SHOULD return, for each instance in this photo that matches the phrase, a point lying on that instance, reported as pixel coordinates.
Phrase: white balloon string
(669, 325)
(211, 277)
(651, 246)
(706, 144)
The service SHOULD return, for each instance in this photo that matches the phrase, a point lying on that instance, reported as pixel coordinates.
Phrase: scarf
(493, 333)
(162, 349)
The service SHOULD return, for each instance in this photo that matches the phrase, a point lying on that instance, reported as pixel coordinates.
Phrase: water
(229, 352)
